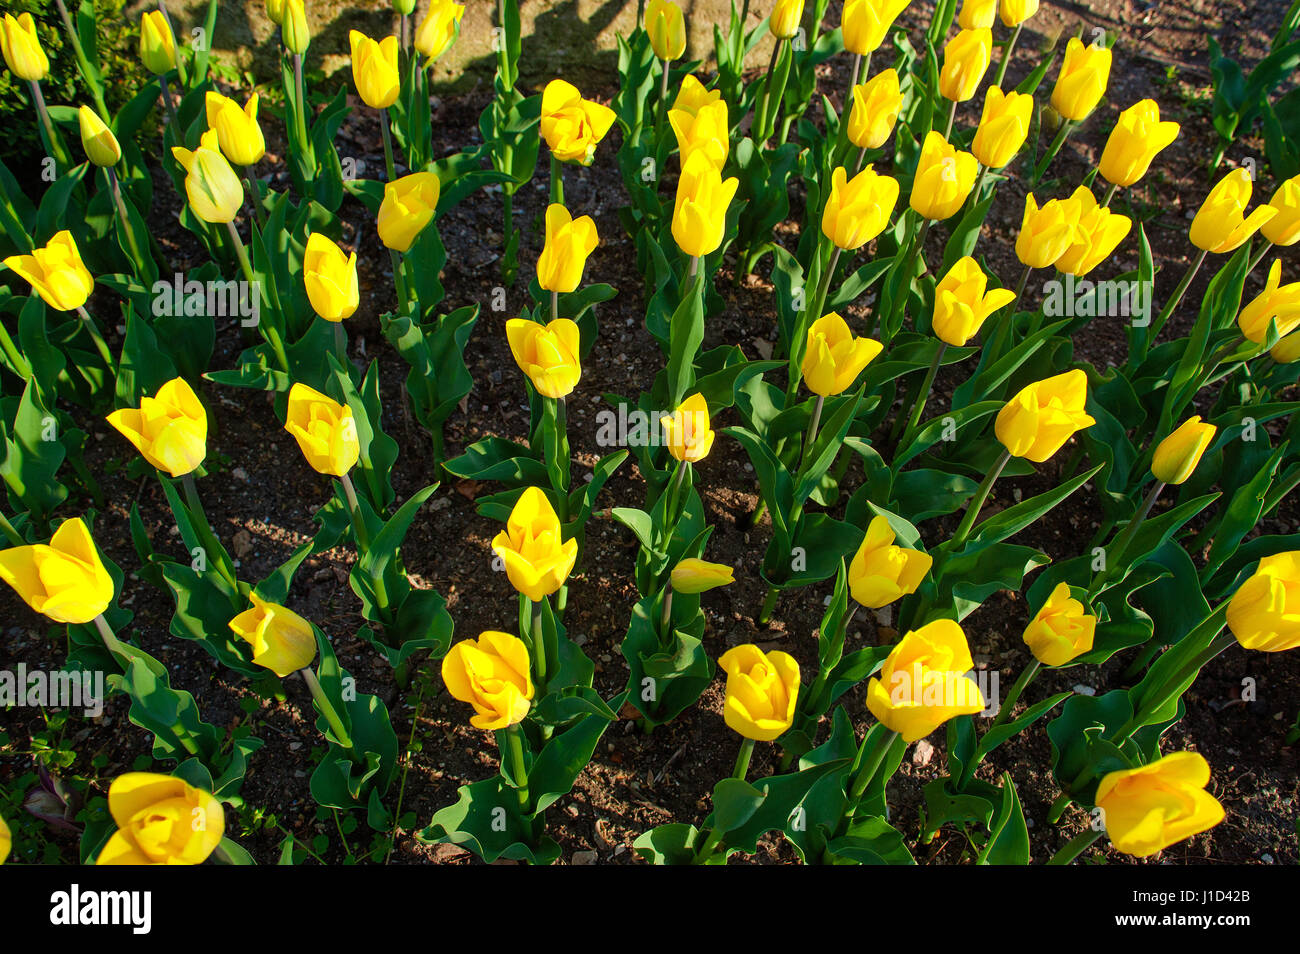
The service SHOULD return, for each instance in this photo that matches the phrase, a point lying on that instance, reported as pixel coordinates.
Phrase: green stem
(173, 120)
(354, 511)
(399, 280)
(93, 330)
(1110, 194)
(8, 529)
(341, 342)
(769, 604)
(973, 509)
(1026, 676)
(918, 407)
(19, 363)
(1115, 558)
(206, 533)
(1178, 294)
(1254, 262)
(300, 110)
(741, 769)
(55, 143)
(389, 165)
(1007, 319)
(540, 661)
(812, 429)
(952, 117)
(111, 642)
(557, 180)
(1067, 125)
(666, 617)
(268, 328)
(137, 260)
(516, 749)
(82, 61)
(1006, 55)
(1075, 847)
(327, 710)
(868, 770)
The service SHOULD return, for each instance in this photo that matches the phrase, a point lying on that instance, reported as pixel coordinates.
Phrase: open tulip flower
(1097, 233)
(922, 683)
(1061, 630)
(573, 126)
(1221, 224)
(962, 304)
(881, 572)
(64, 580)
(282, 641)
(238, 134)
(834, 356)
(762, 691)
(169, 429)
(56, 272)
(549, 354)
(1158, 804)
(1264, 613)
(694, 96)
(1037, 422)
(325, 430)
(492, 674)
(1276, 303)
(537, 557)
(858, 209)
(687, 432)
(214, 190)
(1046, 233)
(161, 820)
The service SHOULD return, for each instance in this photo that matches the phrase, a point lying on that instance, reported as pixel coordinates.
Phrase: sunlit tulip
(965, 61)
(568, 243)
(692, 97)
(858, 209)
(705, 131)
(1287, 350)
(694, 575)
(64, 580)
(962, 304)
(374, 69)
(1061, 630)
(881, 573)
(1178, 454)
(56, 272)
(1097, 233)
(22, 47)
(977, 14)
(282, 641)
(1134, 142)
(238, 133)
(216, 195)
(1082, 81)
(157, 44)
(409, 205)
(1037, 422)
(293, 27)
(922, 683)
(1149, 808)
(275, 11)
(491, 673)
(1277, 302)
(667, 29)
(1003, 127)
(97, 139)
(6, 841)
(834, 357)
(1284, 227)
(438, 28)
(762, 691)
(944, 178)
(1264, 613)
(330, 278)
(1046, 233)
(1016, 12)
(865, 23)
(700, 209)
(549, 354)
(169, 429)
(325, 430)
(784, 22)
(687, 431)
(876, 104)
(161, 820)
(537, 557)
(573, 126)
(1221, 224)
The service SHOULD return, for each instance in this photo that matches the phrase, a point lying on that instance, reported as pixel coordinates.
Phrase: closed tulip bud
(374, 69)
(293, 28)
(858, 209)
(157, 44)
(63, 580)
(693, 575)
(700, 209)
(687, 431)
(275, 12)
(705, 131)
(693, 97)
(965, 61)
(1060, 631)
(404, 7)
(1037, 422)
(1276, 303)
(572, 126)
(762, 691)
(1264, 613)
(1046, 233)
(22, 48)
(238, 133)
(977, 14)
(1082, 80)
(6, 841)
(1221, 224)
(1097, 234)
(409, 205)
(537, 557)
(833, 357)
(944, 178)
(1156, 805)
(866, 23)
(922, 683)
(282, 641)
(492, 674)
(438, 28)
(330, 278)
(161, 820)
(549, 354)
(56, 272)
(169, 429)
(876, 104)
(1134, 142)
(568, 243)
(784, 21)
(216, 195)
(1284, 227)
(667, 29)
(882, 573)
(961, 304)
(1016, 12)
(1287, 350)
(1003, 127)
(97, 139)
(325, 430)
(1178, 454)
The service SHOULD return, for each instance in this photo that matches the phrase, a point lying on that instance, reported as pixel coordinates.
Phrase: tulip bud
(404, 7)
(238, 133)
(1287, 350)
(537, 557)
(700, 209)
(1003, 127)
(693, 575)
(833, 358)
(1134, 142)
(491, 673)
(944, 178)
(282, 641)
(922, 683)
(667, 29)
(1178, 454)
(865, 23)
(97, 139)
(1046, 233)
(549, 354)
(762, 691)
(1151, 807)
(293, 27)
(1037, 422)
(693, 97)
(330, 278)
(22, 48)
(409, 205)
(687, 432)
(1060, 631)
(438, 28)
(705, 131)
(161, 820)
(568, 243)
(325, 430)
(275, 12)
(571, 125)
(157, 44)
(784, 21)
(977, 14)
(876, 104)
(56, 272)
(6, 841)
(881, 573)
(63, 580)
(216, 195)
(1284, 227)
(1264, 613)
(1277, 302)
(965, 61)
(1016, 12)
(858, 209)
(961, 305)
(169, 429)
(374, 69)
(1097, 233)
(1221, 224)
(1082, 80)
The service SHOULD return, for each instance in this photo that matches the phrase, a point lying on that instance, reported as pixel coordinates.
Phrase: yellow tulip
(922, 683)
(22, 48)
(833, 357)
(784, 21)
(169, 429)
(944, 178)
(374, 69)
(330, 278)
(64, 580)
(687, 432)
(1264, 613)
(282, 641)
(568, 243)
(1221, 224)
(1154, 806)
(705, 131)
(293, 27)
(1276, 303)
(1037, 422)
(56, 272)
(97, 139)
(6, 841)
(1003, 127)
(693, 575)
(238, 133)
(438, 28)
(762, 691)
(1287, 350)
(1046, 233)
(866, 23)
(961, 303)
(409, 205)
(549, 354)
(157, 44)
(977, 14)
(1098, 232)
(880, 572)
(1060, 631)
(858, 209)
(492, 674)
(325, 430)
(876, 104)
(1082, 80)
(693, 97)
(1284, 227)
(700, 209)
(216, 195)
(572, 126)
(1178, 454)
(161, 820)
(965, 61)
(532, 546)
(667, 29)
(275, 11)
(1016, 12)
(1134, 142)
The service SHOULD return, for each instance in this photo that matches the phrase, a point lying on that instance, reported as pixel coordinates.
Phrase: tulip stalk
(1254, 262)
(557, 180)
(205, 531)
(116, 190)
(515, 743)
(1003, 330)
(1007, 50)
(1075, 847)
(111, 642)
(173, 120)
(1177, 296)
(866, 767)
(1027, 675)
(255, 198)
(55, 144)
(93, 330)
(977, 503)
(1067, 127)
(399, 280)
(390, 166)
(714, 837)
(300, 107)
(952, 117)
(327, 710)
(269, 329)
(919, 405)
(1110, 194)
(83, 63)
(813, 422)
(1125, 537)
(16, 360)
